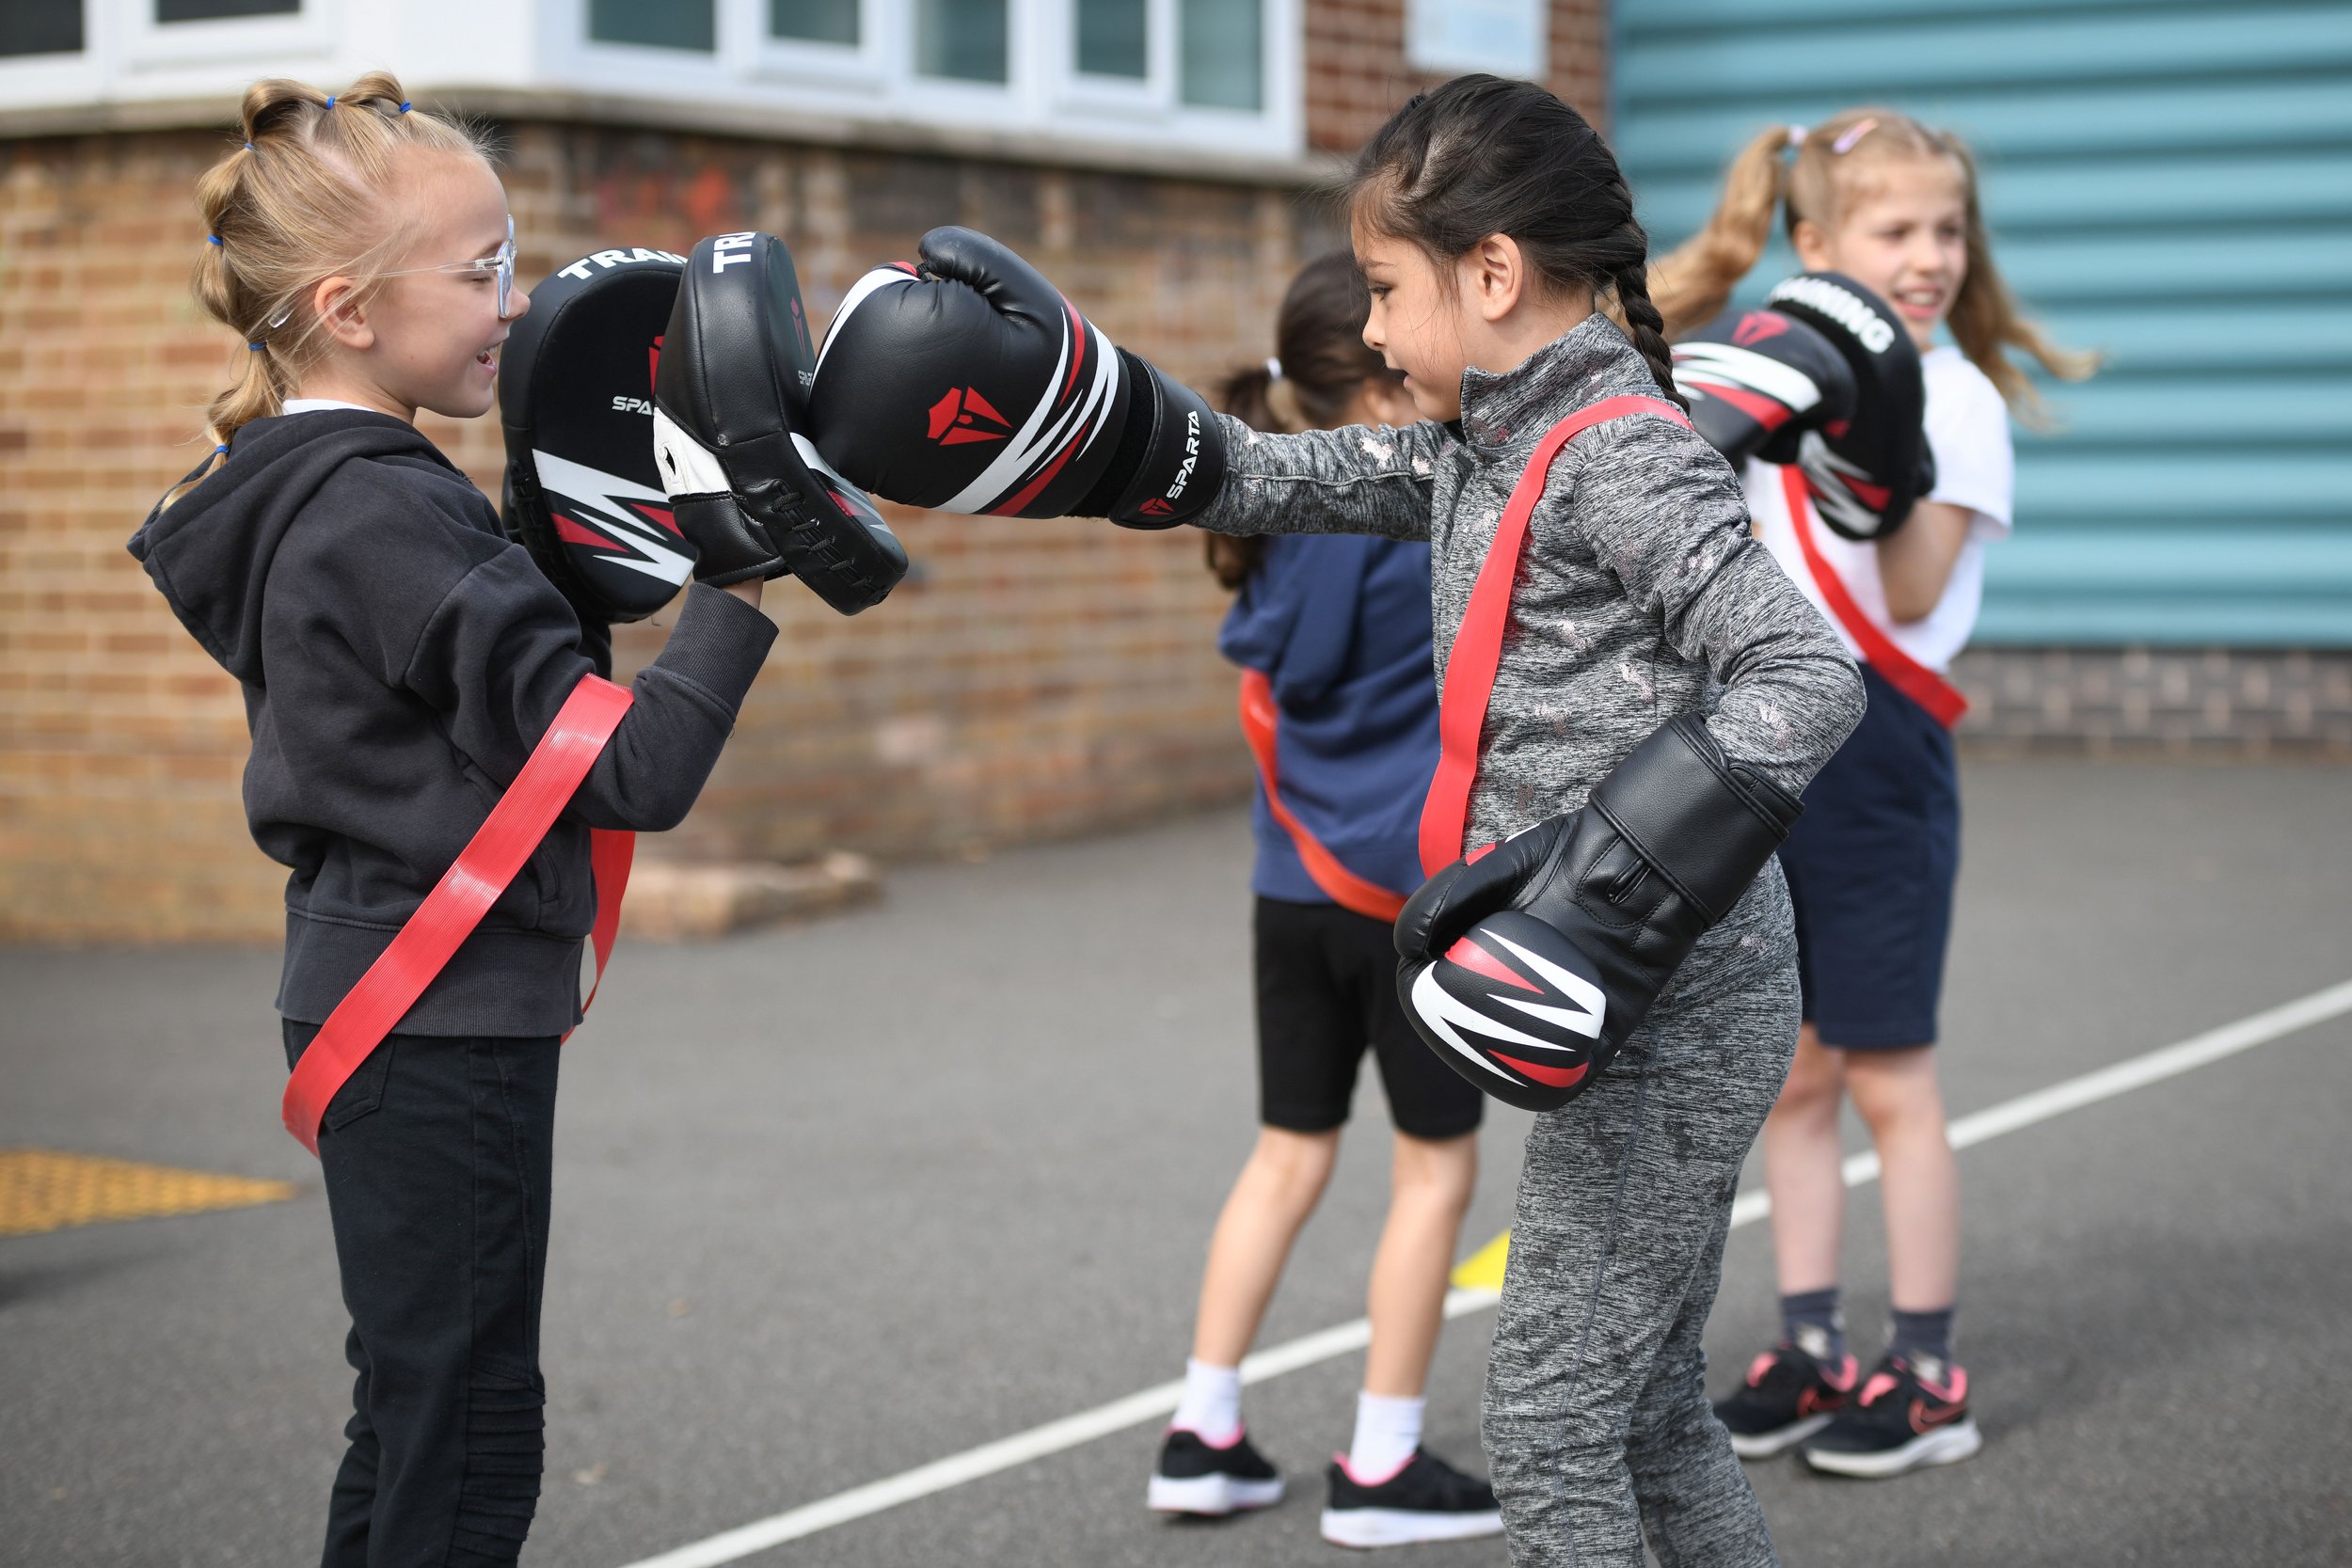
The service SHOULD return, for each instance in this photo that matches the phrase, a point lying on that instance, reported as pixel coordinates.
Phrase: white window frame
(146, 42)
(766, 57)
(1080, 92)
(1044, 94)
(68, 77)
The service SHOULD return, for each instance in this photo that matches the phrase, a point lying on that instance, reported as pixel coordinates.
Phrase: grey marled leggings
(1597, 1426)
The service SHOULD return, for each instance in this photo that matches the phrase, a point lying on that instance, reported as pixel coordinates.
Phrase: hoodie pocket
(535, 889)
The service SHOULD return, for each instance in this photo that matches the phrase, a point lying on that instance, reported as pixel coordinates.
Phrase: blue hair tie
(257, 345)
(211, 239)
(330, 100)
(404, 106)
(220, 449)
(248, 147)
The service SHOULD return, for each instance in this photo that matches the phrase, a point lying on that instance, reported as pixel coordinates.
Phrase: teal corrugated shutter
(2171, 184)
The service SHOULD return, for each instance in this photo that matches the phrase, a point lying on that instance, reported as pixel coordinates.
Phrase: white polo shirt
(1967, 426)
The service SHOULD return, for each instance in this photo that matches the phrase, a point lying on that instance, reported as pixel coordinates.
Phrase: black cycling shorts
(1327, 988)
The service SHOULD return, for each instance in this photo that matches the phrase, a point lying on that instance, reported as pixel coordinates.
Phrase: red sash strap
(1259, 715)
(1907, 676)
(464, 895)
(1477, 653)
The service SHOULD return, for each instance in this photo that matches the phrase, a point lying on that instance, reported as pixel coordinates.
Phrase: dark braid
(1648, 328)
(1481, 155)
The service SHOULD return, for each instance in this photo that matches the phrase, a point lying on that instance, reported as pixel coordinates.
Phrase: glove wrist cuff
(1706, 826)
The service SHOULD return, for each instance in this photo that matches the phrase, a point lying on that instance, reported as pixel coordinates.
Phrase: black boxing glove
(747, 486)
(1769, 384)
(1757, 380)
(1525, 966)
(967, 383)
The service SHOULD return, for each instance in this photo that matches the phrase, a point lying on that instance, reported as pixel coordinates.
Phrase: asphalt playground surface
(837, 1201)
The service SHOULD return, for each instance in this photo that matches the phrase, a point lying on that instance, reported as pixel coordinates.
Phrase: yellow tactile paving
(42, 1188)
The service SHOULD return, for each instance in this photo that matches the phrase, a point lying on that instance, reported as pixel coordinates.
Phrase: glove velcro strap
(1704, 826)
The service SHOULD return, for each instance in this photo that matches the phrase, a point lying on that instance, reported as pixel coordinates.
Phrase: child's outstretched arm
(503, 652)
(1364, 479)
(1662, 510)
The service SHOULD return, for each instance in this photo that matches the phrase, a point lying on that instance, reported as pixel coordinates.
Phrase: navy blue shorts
(1870, 870)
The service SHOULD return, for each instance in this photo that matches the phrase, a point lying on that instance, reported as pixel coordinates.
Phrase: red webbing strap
(1477, 653)
(1340, 885)
(1907, 676)
(464, 895)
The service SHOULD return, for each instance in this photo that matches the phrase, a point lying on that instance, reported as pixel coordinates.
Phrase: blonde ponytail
(1987, 321)
(1692, 283)
(303, 198)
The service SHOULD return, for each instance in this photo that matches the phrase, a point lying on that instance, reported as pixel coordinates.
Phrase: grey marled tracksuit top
(1641, 593)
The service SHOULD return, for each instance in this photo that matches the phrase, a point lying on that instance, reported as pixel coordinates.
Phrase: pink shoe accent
(1349, 1471)
(1842, 1379)
(1236, 1437)
(1757, 1367)
(1880, 1383)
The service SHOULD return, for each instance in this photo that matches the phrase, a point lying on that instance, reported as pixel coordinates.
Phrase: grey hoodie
(1641, 593)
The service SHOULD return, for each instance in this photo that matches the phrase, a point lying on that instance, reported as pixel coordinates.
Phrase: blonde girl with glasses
(400, 660)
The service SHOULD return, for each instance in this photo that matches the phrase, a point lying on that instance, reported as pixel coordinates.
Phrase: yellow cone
(1483, 1270)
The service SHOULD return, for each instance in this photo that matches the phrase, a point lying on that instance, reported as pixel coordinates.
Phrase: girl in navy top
(1332, 633)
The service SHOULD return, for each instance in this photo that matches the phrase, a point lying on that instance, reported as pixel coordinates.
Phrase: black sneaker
(1424, 1499)
(1908, 1415)
(1787, 1397)
(1194, 1476)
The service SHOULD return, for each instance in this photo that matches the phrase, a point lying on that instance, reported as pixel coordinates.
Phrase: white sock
(1212, 1402)
(1387, 1433)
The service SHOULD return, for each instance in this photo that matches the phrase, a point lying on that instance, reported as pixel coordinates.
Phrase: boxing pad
(1867, 471)
(730, 412)
(1527, 965)
(575, 401)
(965, 382)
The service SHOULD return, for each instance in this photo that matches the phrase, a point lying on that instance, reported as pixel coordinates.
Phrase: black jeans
(437, 1155)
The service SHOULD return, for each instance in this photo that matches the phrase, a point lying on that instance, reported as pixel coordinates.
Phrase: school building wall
(1029, 680)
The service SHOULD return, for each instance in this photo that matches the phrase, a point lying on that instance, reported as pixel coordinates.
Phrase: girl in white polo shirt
(1874, 195)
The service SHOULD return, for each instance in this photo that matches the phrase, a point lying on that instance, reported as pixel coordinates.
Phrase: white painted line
(1151, 1403)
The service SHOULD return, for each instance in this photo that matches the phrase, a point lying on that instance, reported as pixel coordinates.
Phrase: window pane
(964, 38)
(1111, 37)
(813, 20)
(662, 24)
(212, 11)
(40, 26)
(1223, 40)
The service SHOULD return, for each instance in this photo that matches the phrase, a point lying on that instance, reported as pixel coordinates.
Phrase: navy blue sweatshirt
(399, 660)
(1340, 625)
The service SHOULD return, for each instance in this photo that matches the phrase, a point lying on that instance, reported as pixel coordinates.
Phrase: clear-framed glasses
(500, 264)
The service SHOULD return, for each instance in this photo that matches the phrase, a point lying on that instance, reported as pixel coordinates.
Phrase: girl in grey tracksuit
(1486, 213)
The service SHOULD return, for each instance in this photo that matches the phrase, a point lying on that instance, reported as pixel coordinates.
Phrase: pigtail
(1648, 329)
(1247, 395)
(1986, 318)
(1243, 395)
(1692, 282)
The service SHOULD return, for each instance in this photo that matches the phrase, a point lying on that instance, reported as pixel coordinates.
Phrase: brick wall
(1032, 679)
(2169, 702)
(1357, 72)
